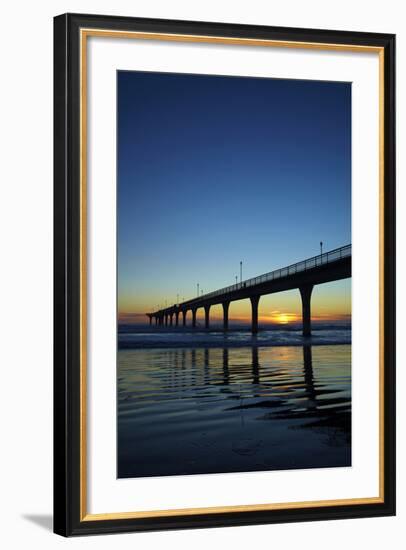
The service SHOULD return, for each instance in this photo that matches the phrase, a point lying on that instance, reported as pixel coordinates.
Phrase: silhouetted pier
(323, 268)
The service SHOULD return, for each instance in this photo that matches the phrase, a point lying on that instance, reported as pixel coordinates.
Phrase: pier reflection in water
(189, 411)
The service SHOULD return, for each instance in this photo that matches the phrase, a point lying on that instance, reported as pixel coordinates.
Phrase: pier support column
(171, 319)
(177, 318)
(254, 307)
(207, 316)
(156, 320)
(306, 293)
(166, 319)
(193, 318)
(184, 313)
(150, 319)
(225, 305)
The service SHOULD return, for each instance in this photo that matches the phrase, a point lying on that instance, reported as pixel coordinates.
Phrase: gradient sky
(213, 170)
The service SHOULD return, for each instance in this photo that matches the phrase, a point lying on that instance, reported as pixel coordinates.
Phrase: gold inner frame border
(84, 35)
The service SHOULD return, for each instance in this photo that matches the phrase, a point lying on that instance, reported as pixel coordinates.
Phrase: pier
(304, 276)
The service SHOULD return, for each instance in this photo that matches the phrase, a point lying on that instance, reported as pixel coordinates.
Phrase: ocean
(200, 402)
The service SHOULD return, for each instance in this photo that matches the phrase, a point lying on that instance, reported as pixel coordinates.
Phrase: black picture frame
(68, 519)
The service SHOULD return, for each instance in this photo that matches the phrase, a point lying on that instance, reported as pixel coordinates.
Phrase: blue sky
(213, 170)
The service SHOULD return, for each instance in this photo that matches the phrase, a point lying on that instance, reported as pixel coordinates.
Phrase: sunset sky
(213, 170)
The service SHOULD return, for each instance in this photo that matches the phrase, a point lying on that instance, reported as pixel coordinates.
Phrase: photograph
(201, 230)
(233, 274)
(220, 356)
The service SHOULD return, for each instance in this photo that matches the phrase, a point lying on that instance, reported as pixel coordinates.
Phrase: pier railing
(304, 265)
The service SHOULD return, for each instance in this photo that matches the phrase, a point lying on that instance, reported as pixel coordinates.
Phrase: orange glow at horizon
(282, 318)
(330, 302)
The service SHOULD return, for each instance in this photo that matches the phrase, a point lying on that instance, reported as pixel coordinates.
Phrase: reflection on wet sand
(216, 410)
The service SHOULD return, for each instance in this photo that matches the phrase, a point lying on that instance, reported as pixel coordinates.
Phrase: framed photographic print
(224, 274)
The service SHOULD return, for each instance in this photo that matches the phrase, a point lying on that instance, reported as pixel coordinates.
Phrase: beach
(199, 402)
